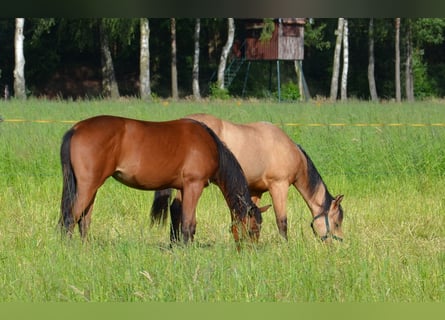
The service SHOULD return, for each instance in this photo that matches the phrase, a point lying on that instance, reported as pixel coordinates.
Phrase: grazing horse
(182, 154)
(271, 162)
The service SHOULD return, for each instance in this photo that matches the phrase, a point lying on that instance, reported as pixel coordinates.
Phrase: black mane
(232, 181)
(315, 181)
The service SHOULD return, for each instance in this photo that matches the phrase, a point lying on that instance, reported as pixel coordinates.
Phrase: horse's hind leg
(191, 194)
(83, 208)
(278, 192)
(85, 219)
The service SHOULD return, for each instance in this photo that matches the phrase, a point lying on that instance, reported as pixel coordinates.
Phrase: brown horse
(181, 154)
(271, 162)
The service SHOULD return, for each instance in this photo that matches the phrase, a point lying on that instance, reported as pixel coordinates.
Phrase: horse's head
(327, 225)
(254, 219)
(250, 224)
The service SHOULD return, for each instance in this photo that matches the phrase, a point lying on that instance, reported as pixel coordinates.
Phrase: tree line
(371, 59)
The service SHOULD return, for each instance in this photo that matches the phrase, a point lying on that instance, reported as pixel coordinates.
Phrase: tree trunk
(344, 75)
(109, 83)
(397, 66)
(299, 73)
(336, 66)
(371, 64)
(174, 70)
(409, 79)
(144, 63)
(195, 72)
(225, 52)
(19, 69)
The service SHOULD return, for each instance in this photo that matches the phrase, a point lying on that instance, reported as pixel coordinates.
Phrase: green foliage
(289, 91)
(58, 48)
(383, 30)
(268, 29)
(217, 93)
(42, 26)
(438, 78)
(424, 86)
(121, 30)
(314, 35)
(428, 30)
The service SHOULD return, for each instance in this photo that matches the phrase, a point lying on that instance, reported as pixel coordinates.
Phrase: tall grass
(392, 177)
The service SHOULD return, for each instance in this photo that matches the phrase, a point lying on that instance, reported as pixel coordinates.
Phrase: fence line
(39, 121)
(364, 124)
(288, 124)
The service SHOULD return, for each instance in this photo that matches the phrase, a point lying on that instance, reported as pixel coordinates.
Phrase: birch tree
(144, 63)
(195, 72)
(397, 58)
(225, 52)
(344, 75)
(19, 69)
(409, 78)
(371, 64)
(109, 83)
(336, 66)
(174, 70)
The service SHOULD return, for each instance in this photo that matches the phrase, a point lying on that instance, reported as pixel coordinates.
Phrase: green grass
(393, 179)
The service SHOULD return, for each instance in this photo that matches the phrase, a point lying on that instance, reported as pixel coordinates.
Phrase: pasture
(387, 159)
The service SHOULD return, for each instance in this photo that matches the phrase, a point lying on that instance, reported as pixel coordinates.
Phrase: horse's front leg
(191, 194)
(278, 193)
(176, 216)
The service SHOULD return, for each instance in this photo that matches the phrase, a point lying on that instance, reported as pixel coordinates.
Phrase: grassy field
(388, 160)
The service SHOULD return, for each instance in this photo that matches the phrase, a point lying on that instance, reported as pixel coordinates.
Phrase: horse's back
(255, 136)
(214, 123)
(241, 139)
(144, 154)
(270, 148)
(264, 151)
(137, 134)
(98, 127)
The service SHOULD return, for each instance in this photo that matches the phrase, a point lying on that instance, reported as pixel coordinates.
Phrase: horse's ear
(338, 200)
(264, 209)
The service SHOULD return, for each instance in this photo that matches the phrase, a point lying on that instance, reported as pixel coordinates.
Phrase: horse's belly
(263, 183)
(145, 182)
(258, 185)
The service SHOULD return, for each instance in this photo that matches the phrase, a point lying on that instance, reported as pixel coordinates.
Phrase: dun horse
(181, 154)
(271, 162)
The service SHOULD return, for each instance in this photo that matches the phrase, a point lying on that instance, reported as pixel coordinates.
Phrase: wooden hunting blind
(269, 40)
(285, 43)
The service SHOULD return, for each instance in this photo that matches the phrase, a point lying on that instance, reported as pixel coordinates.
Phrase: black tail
(231, 180)
(69, 183)
(159, 208)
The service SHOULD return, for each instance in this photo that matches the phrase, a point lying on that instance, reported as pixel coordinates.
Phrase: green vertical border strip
(228, 311)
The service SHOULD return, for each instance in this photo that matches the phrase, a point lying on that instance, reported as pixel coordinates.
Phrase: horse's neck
(311, 186)
(316, 201)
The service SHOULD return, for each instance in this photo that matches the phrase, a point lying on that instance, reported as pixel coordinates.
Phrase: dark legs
(183, 213)
(175, 214)
(278, 192)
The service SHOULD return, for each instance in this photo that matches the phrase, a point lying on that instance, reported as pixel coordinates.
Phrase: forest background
(67, 58)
